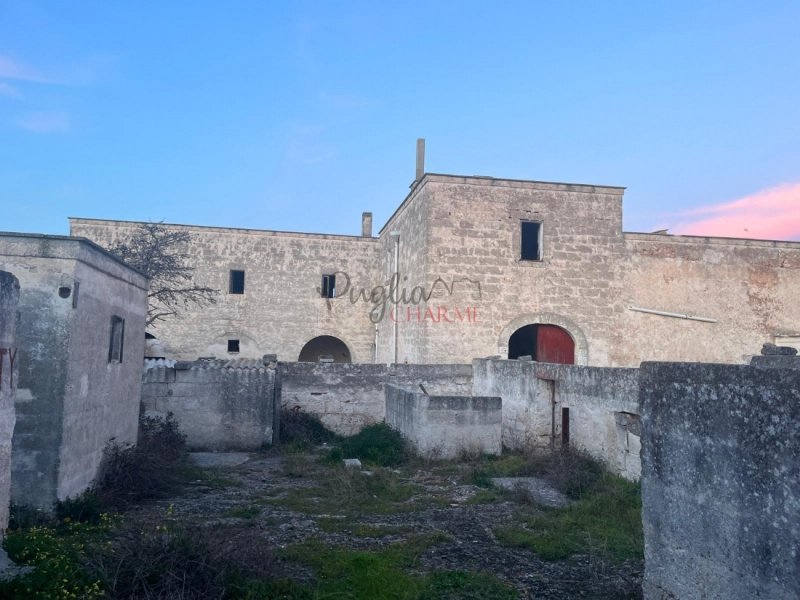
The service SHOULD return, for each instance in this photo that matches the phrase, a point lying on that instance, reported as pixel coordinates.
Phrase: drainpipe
(396, 236)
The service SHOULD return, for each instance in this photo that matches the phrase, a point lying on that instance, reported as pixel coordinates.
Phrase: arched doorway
(544, 343)
(325, 348)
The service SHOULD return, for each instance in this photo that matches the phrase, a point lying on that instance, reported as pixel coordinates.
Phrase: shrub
(151, 469)
(303, 430)
(86, 508)
(378, 444)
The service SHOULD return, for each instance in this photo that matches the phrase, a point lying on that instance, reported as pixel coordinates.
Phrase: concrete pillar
(9, 297)
(366, 224)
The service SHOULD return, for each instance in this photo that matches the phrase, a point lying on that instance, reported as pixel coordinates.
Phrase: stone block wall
(9, 367)
(720, 481)
(445, 427)
(219, 405)
(347, 397)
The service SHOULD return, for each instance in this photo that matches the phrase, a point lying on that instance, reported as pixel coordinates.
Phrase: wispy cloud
(9, 90)
(45, 122)
(16, 70)
(771, 214)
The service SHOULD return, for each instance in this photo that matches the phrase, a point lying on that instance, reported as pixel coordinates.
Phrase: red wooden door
(554, 345)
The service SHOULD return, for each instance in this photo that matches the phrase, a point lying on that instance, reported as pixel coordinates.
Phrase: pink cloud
(771, 214)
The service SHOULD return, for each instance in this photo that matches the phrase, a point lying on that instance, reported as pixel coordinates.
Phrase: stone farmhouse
(474, 267)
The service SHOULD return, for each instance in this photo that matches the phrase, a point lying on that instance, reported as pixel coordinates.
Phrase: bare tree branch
(161, 254)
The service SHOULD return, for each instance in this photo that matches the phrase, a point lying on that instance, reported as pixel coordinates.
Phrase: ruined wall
(445, 427)
(281, 308)
(348, 397)
(71, 397)
(9, 297)
(219, 405)
(720, 481)
(602, 402)
(749, 287)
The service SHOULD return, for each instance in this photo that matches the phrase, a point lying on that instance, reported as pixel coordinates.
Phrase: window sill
(536, 264)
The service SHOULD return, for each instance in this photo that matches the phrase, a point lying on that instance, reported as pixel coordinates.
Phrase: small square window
(117, 339)
(531, 241)
(233, 346)
(328, 288)
(236, 285)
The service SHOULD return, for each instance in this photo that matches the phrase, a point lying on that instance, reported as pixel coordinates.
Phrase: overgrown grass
(606, 522)
(341, 491)
(384, 575)
(243, 512)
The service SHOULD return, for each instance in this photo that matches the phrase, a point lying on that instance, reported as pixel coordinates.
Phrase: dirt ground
(273, 501)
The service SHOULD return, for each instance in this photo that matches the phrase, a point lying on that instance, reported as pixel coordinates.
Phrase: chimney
(420, 158)
(366, 224)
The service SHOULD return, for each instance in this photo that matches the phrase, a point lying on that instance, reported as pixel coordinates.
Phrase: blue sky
(301, 115)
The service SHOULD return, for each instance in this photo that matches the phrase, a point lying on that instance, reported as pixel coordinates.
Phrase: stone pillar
(9, 297)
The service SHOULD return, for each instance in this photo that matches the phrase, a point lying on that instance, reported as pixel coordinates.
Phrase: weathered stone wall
(603, 408)
(219, 405)
(9, 366)
(445, 427)
(720, 481)
(281, 308)
(749, 287)
(71, 397)
(348, 397)
(474, 234)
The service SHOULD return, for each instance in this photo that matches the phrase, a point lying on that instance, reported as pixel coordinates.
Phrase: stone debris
(773, 350)
(537, 489)
(352, 463)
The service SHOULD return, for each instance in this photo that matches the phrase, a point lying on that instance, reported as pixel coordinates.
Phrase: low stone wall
(219, 405)
(347, 397)
(444, 427)
(720, 481)
(594, 409)
(9, 297)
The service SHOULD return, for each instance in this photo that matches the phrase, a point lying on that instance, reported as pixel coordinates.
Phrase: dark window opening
(75, 289)
(531, 241)
(117, 339)
(233, 345)
(64, 292)
(328, 288)
(564, 427)
(236, 282)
